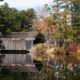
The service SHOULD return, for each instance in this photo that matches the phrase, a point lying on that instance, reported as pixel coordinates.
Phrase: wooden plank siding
(17, 43)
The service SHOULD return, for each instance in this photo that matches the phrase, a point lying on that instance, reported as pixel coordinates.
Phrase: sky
(25, 4)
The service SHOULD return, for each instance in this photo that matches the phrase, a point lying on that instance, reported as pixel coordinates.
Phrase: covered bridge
(16, 47)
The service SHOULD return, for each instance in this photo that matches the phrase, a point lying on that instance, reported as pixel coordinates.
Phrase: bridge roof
(30, 34)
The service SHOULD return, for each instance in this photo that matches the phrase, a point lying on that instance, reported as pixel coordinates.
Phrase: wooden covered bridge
(16, 47)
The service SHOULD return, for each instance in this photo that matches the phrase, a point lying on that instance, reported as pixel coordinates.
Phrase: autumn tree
(65, 31)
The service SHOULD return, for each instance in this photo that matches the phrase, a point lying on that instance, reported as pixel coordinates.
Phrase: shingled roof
(31, 34)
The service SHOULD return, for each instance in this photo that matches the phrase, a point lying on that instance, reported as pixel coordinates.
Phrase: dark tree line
(12, 20)
(76, 18)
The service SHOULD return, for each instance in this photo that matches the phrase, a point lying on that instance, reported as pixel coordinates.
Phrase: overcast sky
(24, 4)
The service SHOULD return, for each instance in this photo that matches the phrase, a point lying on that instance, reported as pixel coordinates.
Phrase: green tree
(12, 20)
(76, 19)
(8, 18)
(26, 18)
